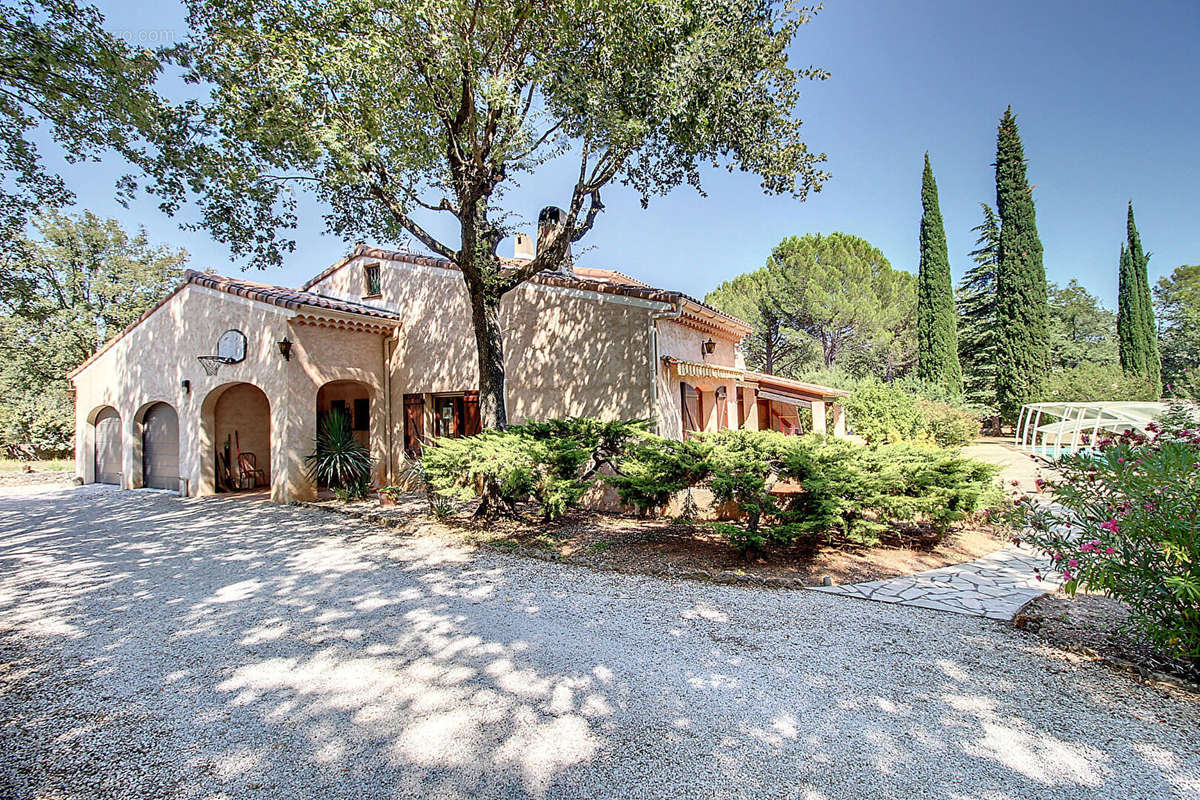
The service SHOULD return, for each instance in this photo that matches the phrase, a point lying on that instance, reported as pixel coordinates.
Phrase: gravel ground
(153, 647)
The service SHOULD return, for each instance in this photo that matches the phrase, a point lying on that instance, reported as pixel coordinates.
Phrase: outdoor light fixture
(285, 348)
(709, 346)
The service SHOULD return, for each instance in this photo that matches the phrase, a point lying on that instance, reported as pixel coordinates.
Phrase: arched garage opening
(160, 447)
(239, 418)
(106, 449)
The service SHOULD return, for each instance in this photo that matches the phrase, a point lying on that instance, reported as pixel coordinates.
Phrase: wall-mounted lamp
(285, 348)
(709, 347)
(187, 386)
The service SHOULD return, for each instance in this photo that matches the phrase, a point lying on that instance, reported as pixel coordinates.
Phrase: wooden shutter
(414, 423)
(690, 408)
(722, 408)
(471, 421)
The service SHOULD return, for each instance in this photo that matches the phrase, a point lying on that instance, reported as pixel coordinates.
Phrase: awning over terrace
(1054, 429)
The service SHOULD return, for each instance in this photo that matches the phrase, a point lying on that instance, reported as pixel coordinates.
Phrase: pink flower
(1111, 525)
(1067, 574)
(1109, 551)
(1120, 461)
(1073, 563)
(1086, 548)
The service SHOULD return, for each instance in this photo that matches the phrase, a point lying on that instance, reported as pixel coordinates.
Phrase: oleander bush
(1125, 521)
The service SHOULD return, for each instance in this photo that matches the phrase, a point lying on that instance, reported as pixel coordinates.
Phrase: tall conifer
(937, 335)
(1134, 295)
(1022, 313)
(976, 301)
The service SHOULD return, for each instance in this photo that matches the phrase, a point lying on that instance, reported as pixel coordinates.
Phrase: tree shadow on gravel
(218, 648)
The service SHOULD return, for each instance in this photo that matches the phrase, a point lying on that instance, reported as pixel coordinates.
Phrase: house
(386, 338)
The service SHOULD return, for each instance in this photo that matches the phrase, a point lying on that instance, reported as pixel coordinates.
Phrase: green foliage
(338, 459)
(882, 413)
(1125, 522)
(832, 300)
(947, 425)
(937, 332)
(1022, 315)
(651, 469)
(1089, 381)
(1136, 331)
(1177, 300)
(552, 462)
(80, 282)
(1081, 330)
(442, 108)
(976, 302)
(64, 77)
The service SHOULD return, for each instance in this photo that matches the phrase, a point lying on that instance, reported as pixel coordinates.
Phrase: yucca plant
(339, 460)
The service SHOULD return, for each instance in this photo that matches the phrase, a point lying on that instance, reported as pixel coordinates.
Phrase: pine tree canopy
(1022, 315)
(937, 334)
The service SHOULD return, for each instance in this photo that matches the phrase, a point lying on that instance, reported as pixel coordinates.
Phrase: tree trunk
(485, 317)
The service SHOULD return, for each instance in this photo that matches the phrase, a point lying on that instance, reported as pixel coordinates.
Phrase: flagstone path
(995, 586)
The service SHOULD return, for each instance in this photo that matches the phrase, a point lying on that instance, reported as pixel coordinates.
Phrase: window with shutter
(371, 280)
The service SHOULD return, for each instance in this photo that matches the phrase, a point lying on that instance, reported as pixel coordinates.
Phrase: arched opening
(106, 449)
(352, 399)
(241, 438)
(160, 447)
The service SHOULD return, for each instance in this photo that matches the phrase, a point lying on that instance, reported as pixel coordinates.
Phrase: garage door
(160, 448)
(108, 447)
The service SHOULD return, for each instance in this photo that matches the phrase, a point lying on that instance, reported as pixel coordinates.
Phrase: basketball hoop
(231, 349)
(212, 363)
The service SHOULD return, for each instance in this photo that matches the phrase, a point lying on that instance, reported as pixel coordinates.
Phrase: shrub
(744, 465)
(338, 459)
(1091, 382)
(881, 413)
(553, 462)
(651, 469)
(1125, 521)
(946, 425)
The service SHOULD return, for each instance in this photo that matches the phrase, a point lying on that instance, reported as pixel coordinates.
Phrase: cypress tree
(976, 300)
(1147, 334)
(937, 334)
(1129, 327)
(1022, 313)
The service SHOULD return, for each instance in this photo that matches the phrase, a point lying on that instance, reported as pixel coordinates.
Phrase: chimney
(550, 222)
(522, 247)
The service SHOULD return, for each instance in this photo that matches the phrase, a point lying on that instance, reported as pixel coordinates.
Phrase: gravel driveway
(154, 647)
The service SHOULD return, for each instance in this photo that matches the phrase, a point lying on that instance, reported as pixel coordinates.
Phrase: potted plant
(389, 495)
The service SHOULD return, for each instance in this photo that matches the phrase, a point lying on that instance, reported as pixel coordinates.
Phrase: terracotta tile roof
(292, 299)
(603, 281)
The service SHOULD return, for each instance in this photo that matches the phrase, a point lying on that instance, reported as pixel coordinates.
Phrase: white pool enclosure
(1051, 430)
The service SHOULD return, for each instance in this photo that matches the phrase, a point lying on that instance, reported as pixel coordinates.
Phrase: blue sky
(1107, 96)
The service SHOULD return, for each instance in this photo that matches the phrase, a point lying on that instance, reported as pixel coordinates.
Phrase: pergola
(1071, 422)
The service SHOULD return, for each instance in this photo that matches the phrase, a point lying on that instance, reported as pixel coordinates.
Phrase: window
(456, 415)
(371, 276)
(693, 422)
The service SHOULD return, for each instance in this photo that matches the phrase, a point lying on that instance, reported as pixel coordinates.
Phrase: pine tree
(1022, 313)
(937, 334)
(976, 299)
(1147, 335)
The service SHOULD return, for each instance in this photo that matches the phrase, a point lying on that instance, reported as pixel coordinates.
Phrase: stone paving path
(995, 586)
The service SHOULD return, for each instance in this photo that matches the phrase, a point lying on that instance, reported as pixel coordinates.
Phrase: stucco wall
(149, 364)
(567, 352)
(686, 343)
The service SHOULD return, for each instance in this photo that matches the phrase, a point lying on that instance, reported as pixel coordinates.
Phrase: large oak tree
(392, 112)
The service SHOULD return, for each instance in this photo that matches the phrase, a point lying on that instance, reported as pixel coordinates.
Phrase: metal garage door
(108, 447)
(160, 448)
